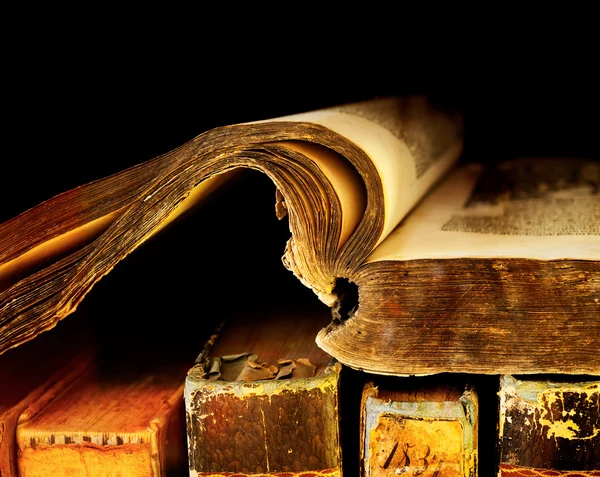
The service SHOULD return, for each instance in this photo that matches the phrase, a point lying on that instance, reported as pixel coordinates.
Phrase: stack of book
(433, 316)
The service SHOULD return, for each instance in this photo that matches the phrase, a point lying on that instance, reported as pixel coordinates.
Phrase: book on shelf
(549, 426)
(419, 426)
(412, 246)
(114, 415)
(264, 399)
(29, 371)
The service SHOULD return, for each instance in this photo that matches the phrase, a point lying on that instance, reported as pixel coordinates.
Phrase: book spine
(426, 438)
(50, 387)
(548, 427)
(152, 450)
(270, 427)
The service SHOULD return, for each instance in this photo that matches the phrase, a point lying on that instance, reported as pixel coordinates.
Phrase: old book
(116, 417)
(419, 426)
(549, 426)
(29, 371)
(264, 399)
(410, 245)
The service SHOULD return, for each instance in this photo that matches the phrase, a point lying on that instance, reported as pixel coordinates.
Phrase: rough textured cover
(430, 438)
(549, 427)
(275, 427)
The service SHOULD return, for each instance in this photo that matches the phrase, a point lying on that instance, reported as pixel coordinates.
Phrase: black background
(81, 101)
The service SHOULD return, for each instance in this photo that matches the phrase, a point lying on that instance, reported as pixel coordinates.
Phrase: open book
(428, 264)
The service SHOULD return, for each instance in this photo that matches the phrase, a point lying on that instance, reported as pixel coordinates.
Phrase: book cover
(121, 420)
(30, 371)
(264, 399)
(416, 426)
(549, 426)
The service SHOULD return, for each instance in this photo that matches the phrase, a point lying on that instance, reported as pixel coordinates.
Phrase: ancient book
(412, 245)
(264, 399)
(549, 426)
(29, 371)
(419, 426)
(112, 418)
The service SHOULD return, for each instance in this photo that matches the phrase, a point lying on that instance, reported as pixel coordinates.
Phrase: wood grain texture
(486, 316)
(549, 424)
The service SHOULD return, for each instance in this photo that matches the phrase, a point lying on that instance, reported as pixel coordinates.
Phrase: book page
(550, 211)
(350, 173)
(398, 135)
(344, 179)
(50, 250)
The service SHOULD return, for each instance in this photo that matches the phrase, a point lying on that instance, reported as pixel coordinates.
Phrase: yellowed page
(377, 127)
(563, 224)
(75, 238)
(68, 241)
(343, 179)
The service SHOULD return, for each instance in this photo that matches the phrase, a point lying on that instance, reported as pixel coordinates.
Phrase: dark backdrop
(73, 115)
